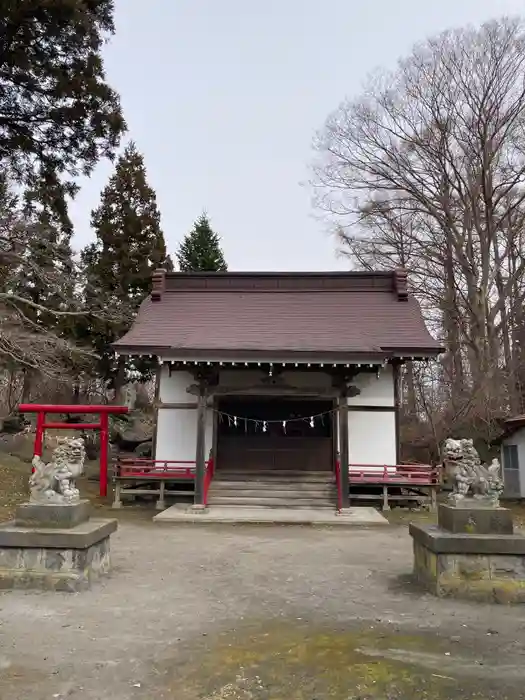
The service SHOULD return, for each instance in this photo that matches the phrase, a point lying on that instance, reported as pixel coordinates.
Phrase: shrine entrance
(263, 433)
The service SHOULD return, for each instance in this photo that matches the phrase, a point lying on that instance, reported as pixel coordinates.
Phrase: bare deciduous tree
(28, 340)
(427, 169)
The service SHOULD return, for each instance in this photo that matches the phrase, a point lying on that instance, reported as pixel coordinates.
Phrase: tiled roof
(256, 314)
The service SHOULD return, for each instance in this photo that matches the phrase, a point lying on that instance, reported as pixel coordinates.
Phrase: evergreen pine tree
(58, 115)
(118, 265)
(200, 250)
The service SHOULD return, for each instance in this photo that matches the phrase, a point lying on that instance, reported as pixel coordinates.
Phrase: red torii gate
(103, 425)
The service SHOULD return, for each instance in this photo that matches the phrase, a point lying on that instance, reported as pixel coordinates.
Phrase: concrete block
(9, 558)
(51, 558)
(507, 566)
(57, 570)
(472, 567)
(467, 519)
(440, 541)
(52, 515)
(448, 566)
(494, 577)
(79, 537)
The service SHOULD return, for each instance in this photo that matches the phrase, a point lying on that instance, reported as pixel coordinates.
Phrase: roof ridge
(393, 281)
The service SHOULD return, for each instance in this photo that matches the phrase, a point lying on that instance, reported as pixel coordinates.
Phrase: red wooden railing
(416, 474)
(144, 467)
(208, 477)
(402, 474)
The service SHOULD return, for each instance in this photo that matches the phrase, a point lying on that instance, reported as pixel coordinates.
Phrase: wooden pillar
(200, 458)
(397, 408)
(343, 450)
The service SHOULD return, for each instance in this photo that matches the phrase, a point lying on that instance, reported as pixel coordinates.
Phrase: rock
(136, 429)
(12, 424)
(145, 449)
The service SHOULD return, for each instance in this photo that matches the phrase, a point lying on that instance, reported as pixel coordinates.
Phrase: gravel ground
(257, 613)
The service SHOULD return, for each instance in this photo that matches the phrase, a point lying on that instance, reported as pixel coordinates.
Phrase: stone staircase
(273, 489)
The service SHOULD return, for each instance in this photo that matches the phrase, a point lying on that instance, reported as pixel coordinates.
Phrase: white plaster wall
(173, 388)
(372, 437)
(176, 434)
(374, 391)
(372, 434)
(177, 427)
(208, 438)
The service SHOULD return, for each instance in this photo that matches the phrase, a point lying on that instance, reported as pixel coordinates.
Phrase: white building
(281, 373)
(512, 445)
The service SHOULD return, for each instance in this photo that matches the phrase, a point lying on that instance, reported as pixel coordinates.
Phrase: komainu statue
(469, 477)
(55, 482)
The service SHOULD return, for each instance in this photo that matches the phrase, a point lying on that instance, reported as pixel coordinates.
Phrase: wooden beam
(277, 390)
(200, 457)
(177, 405)
(344, 456)
(372, 409)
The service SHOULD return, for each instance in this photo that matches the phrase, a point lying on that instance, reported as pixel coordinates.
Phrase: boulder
(12, 424)
(145, 449)
(134, 430)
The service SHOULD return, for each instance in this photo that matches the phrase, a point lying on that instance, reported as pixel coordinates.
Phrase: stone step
(284, 502)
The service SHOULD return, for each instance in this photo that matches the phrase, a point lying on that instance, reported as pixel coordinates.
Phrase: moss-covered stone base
(45, 568)
(491, 577)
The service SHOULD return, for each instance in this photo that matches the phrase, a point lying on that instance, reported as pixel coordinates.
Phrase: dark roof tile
(318, 314)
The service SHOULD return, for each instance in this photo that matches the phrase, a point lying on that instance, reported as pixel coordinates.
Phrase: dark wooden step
(248, 492)
(284, 502)
(267, 485)
(288, 476)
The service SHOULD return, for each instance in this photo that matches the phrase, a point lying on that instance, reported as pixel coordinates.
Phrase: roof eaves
(431, 349)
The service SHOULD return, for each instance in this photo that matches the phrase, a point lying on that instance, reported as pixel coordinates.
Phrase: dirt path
(253, 614)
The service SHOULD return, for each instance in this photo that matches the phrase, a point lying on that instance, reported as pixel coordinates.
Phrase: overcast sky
(223, 98)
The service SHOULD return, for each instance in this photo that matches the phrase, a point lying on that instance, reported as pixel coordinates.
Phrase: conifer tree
(118, 266)
(58, 115)
(200, 250)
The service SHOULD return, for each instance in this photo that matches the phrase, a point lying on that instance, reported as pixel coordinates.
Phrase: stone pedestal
(54, 547)
(472, 553)
(474, 517)
(53, 515)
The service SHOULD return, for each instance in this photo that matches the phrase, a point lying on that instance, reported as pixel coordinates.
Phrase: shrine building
(289, 376)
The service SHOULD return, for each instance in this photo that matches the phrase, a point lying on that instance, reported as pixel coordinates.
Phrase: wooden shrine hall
(276, 388)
